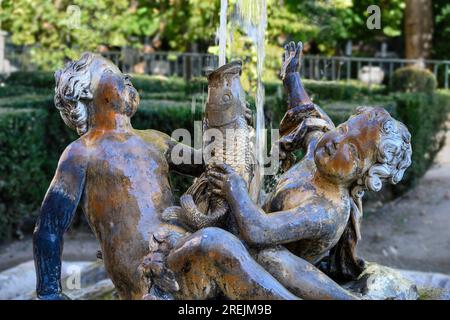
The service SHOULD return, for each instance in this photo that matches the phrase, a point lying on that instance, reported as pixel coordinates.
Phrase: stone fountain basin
(18, 283)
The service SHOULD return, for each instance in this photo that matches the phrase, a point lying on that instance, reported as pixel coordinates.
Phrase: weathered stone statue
(300, 244)
(308, 227)
(117, 173)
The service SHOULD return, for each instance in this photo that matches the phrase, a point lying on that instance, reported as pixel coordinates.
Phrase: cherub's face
(112, 87)
(343, 153)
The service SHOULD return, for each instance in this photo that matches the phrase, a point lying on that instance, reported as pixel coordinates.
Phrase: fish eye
(226, 97)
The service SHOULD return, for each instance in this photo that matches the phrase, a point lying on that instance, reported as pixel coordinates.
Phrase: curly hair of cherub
(393, 154)
(72, 92)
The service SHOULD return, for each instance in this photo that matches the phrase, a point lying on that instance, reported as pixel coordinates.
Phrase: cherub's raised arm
(258, 228)
(57, 212)
(291, 77)
(303, 116)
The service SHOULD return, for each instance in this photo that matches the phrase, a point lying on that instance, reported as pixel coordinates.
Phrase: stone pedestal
(382, 283)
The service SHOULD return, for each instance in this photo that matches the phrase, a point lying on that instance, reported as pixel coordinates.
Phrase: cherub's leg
(213, 261)
(300, 277)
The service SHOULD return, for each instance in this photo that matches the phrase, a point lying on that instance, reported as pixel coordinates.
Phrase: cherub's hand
(225, 181)
(291, 58)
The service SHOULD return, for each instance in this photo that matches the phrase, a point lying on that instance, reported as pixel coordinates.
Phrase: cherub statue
(309, 224)
(117, 173)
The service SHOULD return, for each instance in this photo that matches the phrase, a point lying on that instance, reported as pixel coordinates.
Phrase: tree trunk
(418, 28)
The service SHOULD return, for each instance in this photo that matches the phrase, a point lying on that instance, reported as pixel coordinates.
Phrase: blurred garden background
(390, 53)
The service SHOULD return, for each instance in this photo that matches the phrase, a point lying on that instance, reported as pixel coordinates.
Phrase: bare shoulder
(76, 153)
(70, 173)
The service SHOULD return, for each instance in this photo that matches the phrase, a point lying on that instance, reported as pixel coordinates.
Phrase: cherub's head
(90, 85)
(367, 149)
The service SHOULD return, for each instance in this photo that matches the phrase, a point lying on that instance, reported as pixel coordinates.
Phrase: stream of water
(251, 17)
(222, 34)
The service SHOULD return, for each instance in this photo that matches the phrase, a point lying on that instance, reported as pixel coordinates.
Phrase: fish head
(225, 95)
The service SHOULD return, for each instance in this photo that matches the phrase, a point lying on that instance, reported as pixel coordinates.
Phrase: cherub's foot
(154, 268)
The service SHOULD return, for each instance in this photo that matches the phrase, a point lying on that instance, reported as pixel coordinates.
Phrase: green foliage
(319, 24)
(441, 45)
(166, 115)
(53, 27)
(15, 90)
(341, 90)
(48, 26)
(22, 177)
(26, 101)
(42, 83)
(154, 87)
(425, 116)
(413, 79)
(187, 25)
(153, 84)
(36, 80)
(355, 19)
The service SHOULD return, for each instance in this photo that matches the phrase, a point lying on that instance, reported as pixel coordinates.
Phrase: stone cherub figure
(304, 238)
(117, 173)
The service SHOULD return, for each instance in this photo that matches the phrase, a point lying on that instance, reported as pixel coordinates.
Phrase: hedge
(26, 101)
(147, 85)
(43, 135)
(413, 79)
(11, 90)
(41, 79)
(425, 116)
(23, 181)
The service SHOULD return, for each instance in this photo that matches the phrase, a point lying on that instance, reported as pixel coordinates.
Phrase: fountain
(222, 34)
(251, 17)
(301, 244)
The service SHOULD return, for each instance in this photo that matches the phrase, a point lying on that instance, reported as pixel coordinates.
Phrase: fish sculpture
(227, 139)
